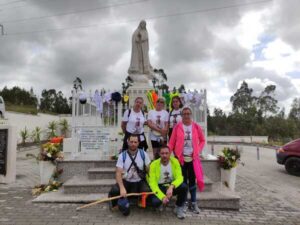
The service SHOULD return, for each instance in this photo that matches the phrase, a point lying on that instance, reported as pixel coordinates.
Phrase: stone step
(81, 184)
(102, 173)
(109, 173)
(220, 198)
(75, 167)
(208, 184)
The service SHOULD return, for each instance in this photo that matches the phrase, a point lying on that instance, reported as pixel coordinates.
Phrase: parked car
(2, 108)
(289, 156)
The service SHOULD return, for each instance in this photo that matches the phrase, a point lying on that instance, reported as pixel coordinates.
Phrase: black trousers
(131, 187)
(142, 145)
(170, 133)
(180, 191)
(190, 178)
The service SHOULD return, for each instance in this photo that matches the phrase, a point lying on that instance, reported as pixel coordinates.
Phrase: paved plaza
(259, 205)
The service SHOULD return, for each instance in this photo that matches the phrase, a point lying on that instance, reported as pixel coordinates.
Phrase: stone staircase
(90, 180)
(101, 182)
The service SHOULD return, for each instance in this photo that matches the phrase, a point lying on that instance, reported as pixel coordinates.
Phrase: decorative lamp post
(154, 80)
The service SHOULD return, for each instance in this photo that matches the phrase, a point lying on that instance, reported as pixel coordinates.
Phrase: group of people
(176, 168)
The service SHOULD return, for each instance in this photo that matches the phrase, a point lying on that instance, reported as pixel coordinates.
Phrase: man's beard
(133, 150)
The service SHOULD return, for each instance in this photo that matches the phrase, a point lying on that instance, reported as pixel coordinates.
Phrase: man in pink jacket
(187, 141)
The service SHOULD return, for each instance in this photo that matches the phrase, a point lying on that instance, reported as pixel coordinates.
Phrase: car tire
(292, 166)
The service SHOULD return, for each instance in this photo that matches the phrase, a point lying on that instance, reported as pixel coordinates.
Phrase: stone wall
(245, 139)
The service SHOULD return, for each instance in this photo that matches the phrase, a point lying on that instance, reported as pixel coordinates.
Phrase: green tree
(219, 121)
(242, 100)
(295, 110)
(55, 102)
(266, 102)
(278, 128)
(61, 105)
(294, 116)
(244, 117)
(48, 100)
(18, 96)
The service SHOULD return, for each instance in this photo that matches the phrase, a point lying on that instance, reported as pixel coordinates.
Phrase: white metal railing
(88, 116)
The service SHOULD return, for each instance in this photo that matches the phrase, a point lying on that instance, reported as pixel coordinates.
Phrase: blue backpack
(141, 151)
(141, 173)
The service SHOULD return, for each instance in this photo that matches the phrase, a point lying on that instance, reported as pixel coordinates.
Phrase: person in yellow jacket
(165, 180)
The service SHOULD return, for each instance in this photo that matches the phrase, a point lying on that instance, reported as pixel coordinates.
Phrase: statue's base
(138, 89)
(141, 78)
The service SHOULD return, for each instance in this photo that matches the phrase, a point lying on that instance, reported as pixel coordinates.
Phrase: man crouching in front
(166, 180)
(131, 170)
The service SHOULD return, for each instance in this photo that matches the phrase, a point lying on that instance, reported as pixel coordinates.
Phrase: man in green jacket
(165, 179)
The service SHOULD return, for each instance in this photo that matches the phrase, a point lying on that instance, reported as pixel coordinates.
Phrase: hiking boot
(179, 212)
(194, 208)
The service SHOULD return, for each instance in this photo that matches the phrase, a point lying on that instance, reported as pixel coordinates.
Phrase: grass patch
(27, 109)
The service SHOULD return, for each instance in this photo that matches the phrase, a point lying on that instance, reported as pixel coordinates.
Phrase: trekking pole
(143, 194)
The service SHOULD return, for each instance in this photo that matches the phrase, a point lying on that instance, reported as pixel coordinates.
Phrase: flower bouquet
(51, 152)
(228, 160)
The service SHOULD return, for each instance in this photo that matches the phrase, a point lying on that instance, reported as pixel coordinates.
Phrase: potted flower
(49, 153)
(52, 185)
(228, 160)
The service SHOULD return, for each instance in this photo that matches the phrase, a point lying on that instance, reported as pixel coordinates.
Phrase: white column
(119, 114)
(73, 113)
(205, 150)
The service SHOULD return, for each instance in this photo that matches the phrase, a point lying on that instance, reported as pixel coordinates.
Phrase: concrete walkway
(259, 205)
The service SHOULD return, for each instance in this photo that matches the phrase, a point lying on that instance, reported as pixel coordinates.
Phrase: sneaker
(185, 207)
(112, 207)
(179, 212)
(194, 208)
(161, 208)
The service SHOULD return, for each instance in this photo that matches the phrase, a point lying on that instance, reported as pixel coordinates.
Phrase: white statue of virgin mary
(140, 63)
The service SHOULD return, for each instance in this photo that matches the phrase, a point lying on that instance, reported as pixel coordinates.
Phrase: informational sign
(3, 151)
(94, 138)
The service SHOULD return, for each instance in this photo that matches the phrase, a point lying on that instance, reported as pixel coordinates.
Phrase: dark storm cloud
(189, 47)
(231, 56)
(285, 21)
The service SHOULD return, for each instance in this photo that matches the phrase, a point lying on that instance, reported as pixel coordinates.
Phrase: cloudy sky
(212, 44)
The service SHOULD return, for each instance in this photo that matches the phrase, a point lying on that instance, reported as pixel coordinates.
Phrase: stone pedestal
(228, 178)
(47, 169)
(8, 153)
(138, 89)
(71, 145)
